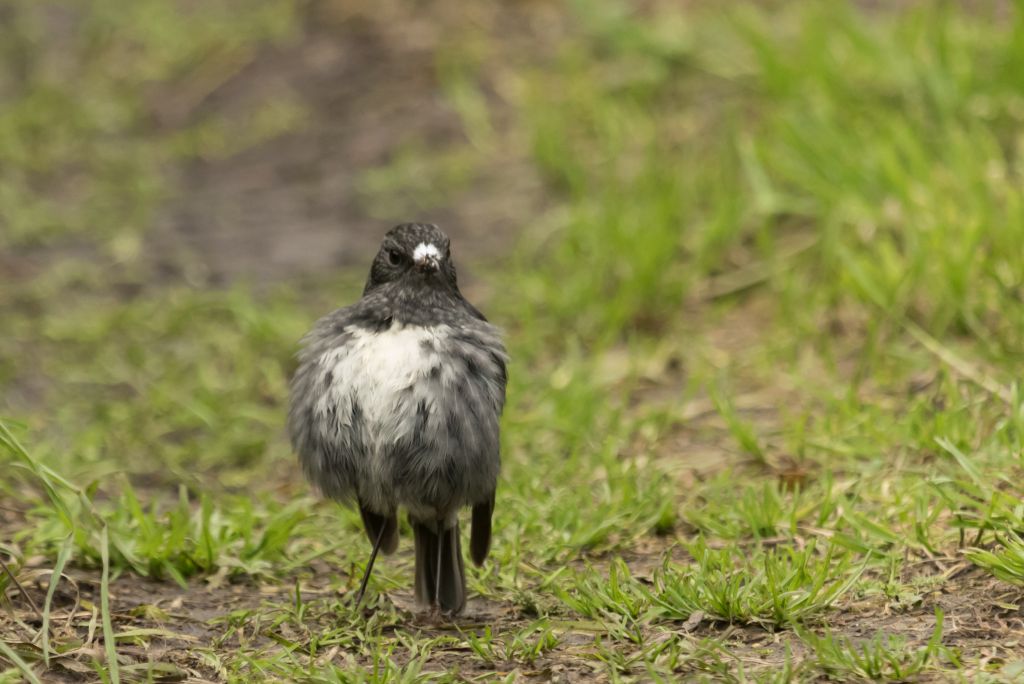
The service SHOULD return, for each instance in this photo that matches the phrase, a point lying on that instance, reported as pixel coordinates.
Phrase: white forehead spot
(424, 250)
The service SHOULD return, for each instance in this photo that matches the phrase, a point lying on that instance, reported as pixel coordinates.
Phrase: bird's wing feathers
(376, 524)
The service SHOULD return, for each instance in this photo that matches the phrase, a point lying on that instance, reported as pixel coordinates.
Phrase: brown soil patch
(365, 76)
(984, 620)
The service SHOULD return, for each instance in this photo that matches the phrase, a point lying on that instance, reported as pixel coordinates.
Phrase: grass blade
(11, 655)
(109, 644)
(969, 467)
(58, 570)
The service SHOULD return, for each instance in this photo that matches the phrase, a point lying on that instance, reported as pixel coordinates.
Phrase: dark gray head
(414, 255)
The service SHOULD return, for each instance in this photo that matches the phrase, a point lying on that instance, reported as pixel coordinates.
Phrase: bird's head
(414, 254)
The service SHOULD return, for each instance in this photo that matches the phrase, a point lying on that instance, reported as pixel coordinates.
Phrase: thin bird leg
(369, 565)
(437, 579)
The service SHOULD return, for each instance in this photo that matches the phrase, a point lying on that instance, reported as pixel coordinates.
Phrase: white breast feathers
(375, 372)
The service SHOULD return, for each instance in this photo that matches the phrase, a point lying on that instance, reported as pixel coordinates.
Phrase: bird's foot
(438, 615)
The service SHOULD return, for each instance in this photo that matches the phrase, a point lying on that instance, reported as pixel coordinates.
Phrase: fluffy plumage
(396, 404)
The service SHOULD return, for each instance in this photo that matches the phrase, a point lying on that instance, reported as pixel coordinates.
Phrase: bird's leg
(437, 578)
(369, 565)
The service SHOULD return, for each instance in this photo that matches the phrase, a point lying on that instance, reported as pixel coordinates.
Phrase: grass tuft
(882, 658)
(778, 587)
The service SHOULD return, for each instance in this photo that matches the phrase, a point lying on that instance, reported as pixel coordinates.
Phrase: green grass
(766, 342)
(765, 587)
(884, 657)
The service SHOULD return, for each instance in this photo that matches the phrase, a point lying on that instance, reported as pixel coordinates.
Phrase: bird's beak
(427, 258)
(427, 263)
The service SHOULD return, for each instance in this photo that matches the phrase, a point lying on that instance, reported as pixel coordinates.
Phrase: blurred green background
(761, 269)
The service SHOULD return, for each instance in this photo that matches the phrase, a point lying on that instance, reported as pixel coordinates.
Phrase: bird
(396, 403)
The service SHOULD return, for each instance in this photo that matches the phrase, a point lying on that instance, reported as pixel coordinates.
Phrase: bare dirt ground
(174, 625)
(367, 86)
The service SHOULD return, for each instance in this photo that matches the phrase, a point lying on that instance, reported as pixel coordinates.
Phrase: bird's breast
(377, 381)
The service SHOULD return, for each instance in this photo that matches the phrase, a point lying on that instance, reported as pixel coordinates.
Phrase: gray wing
(384, 526)
(488, 362)
(326, 463)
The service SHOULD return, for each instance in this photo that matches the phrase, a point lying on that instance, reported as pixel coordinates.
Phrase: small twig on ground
(21, 589)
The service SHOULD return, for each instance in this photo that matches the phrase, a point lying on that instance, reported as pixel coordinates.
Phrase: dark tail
(440, 575)
(480, 530)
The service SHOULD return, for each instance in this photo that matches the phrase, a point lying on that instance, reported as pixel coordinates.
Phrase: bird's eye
(394, 256)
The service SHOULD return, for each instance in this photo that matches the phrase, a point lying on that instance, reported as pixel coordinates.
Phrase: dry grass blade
(960, 366)
(21, 589)
(755, 273)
